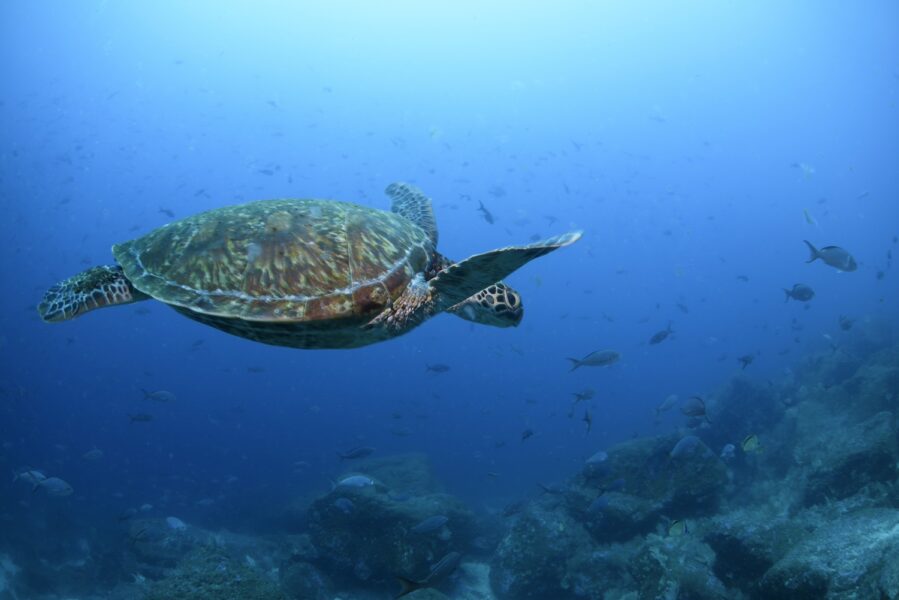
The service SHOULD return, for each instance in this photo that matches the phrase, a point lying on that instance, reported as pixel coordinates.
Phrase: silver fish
(800, 292)
(54, 486)
(834, 256)
(600, 358)
(356, 481)
(430, 524)
(439, 572)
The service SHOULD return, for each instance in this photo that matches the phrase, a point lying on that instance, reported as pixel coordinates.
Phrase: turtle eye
(512, 299)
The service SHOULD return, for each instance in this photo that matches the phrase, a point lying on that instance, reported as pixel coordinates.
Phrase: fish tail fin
(815, 255)
(15, 477)
(575, 363)
(408, 586)
(787, 292)
(35, 487)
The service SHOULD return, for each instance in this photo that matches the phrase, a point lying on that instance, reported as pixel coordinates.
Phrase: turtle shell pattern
(279, 262)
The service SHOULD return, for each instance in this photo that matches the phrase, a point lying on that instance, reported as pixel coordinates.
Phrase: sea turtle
(305, 273)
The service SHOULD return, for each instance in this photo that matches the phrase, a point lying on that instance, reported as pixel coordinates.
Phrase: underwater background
(696, 145)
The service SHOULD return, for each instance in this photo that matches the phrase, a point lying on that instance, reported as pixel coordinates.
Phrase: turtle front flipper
(457, 283)
(465, 278)
(94, 288)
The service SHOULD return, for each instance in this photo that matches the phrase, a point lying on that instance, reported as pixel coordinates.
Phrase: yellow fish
(751, 444)
(677, 528)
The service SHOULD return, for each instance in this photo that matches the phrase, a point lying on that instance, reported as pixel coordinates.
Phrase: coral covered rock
(852, 557)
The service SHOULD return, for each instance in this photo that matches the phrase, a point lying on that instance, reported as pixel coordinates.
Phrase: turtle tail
(94, 288)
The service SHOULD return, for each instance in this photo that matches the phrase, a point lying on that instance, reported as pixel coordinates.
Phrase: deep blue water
(685, 141)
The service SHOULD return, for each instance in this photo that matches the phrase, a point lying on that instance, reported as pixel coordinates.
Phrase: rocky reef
(804, 505)
(788, 490)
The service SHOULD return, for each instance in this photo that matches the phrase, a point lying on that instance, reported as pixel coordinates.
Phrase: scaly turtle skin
(305, 273)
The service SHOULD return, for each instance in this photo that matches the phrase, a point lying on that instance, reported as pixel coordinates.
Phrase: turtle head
(497, 305)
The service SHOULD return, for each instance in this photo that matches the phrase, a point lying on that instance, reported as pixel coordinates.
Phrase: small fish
(54, 486)
(683, 308)
(687, 446)
(809, 218)
(439, 573)
(667, 404)
(126, 514)
(355, 481)
(727, 452)
(846, 323)
(167, 212)
(599, 457)
(526, 434)
(660, 336)
(93, 454)
(140, 418)
(437, 368)
(588, 420)
(743, 278)
(599, 358)
(583, 395)
(745, 360)
(430, 524)
(30, 476)
(751, 444)
(344, 505)
(800, 292)
(136, 537)
(806, 169)
(833, 256)
(677, 528)
(485, 213)
(694, 406)
(357, 452)
(159, 396)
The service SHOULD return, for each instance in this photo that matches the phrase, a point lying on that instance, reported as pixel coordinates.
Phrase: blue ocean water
(696, 146)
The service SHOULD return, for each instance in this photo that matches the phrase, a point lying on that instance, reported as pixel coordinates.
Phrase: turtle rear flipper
(94, 288)
(411, 203)
(465, 278)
